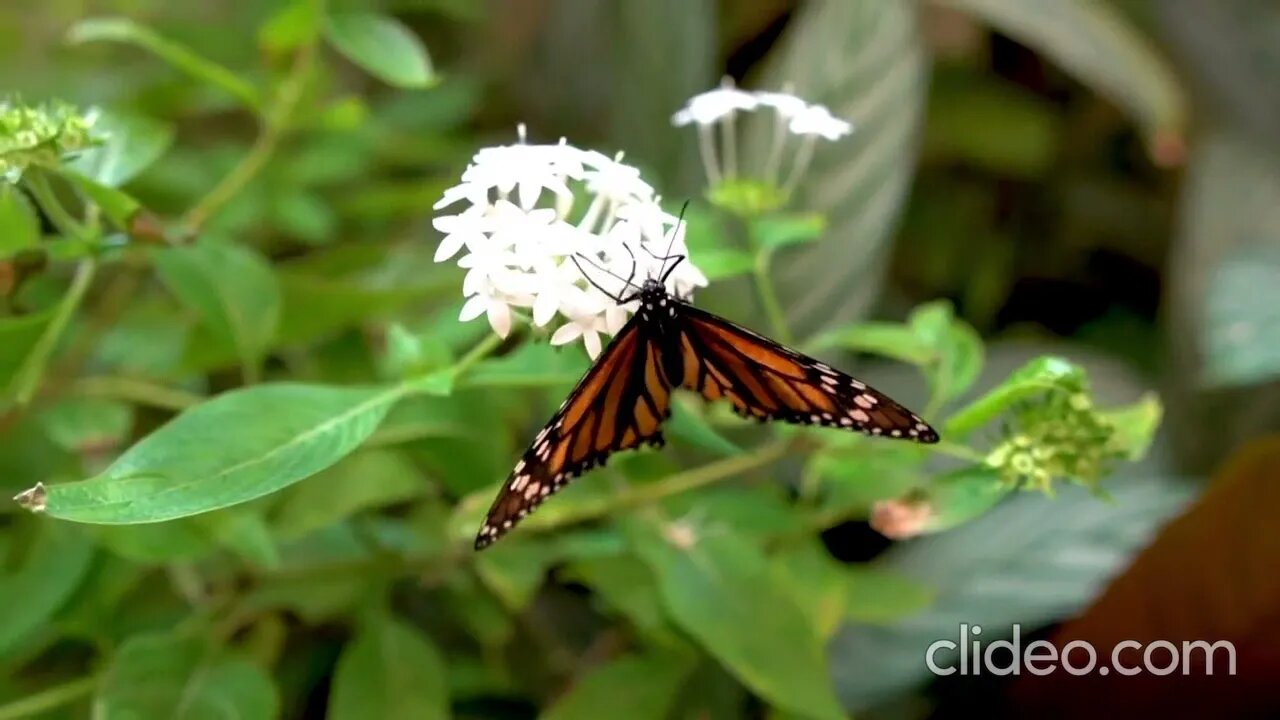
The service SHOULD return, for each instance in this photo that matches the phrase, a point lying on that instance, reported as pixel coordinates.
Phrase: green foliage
(389, 670)
(382, 46)
(173, 676)
(257, 442)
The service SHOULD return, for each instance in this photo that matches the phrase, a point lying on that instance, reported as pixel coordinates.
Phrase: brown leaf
(1212, 574)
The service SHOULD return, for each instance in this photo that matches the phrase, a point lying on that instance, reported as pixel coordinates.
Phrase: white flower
(792, 116)
(530, 252)
(817, 120)
(709, 107)
(786, 104)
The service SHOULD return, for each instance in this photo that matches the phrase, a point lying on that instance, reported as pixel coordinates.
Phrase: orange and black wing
(767, 381)
(619, 404)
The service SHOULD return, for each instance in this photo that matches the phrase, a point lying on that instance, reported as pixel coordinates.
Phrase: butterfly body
(623, 400)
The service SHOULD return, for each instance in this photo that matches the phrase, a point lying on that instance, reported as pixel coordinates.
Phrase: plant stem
(769, 298)
(959, 451)
(141, 392)
(674, 484)
(480, 351)
(61, 218)
(275, 122)
(28, 376)
(46, 700)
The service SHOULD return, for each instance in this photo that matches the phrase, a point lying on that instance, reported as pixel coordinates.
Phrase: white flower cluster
(801, 117)
(521, 237)
(793, 115)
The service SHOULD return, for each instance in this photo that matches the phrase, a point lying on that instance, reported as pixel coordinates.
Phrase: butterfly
(624, 398)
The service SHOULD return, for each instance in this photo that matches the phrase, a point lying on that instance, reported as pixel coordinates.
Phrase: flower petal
(500, 318)
(591, 339)
(566, 333)
(450, 246)
(473, 308)
(544, 307)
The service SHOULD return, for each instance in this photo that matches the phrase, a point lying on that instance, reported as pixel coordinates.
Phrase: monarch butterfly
(623, 399)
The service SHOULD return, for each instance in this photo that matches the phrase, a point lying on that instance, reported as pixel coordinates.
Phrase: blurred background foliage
(1095, 181)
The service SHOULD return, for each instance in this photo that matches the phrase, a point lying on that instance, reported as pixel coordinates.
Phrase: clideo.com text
(969, 655)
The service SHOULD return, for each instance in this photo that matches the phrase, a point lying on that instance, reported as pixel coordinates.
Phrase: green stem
(140, 392)
(28, 377)
(274, 124)
(61, 218)
(769, 299)
(480, 351)
(959, 451)
(674, 484)
(46, 700)
(448, 376)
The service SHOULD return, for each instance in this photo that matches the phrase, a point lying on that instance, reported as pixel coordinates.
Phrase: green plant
(238, 402)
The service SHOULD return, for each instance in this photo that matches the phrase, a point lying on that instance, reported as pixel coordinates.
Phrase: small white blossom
(525, 252)
(792, 116)
(786, 104)
(817, 120)
(711, 106)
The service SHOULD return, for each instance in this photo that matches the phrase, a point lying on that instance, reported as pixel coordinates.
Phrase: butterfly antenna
(662, 272)
(616, 298)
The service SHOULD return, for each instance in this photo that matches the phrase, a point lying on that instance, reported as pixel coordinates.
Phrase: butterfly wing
(768, 381)
(619, 404)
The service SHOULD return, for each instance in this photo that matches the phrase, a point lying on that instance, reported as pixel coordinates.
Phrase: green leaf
(87, 424)
(1095, 42)
(244, 531)
(124, 30)
(627, 688)
(28, 342)
(156, 543)
(41, 581)
(383, 46)
(956, 346)
(231, 288)
(855, 476)
(514, 571)
(306, 216)
(959, 496)
(362, 481)
(720, 591)
(118, 205)
(1135, 425)
(290, 26)
(782, 229)
(19, 226)
(1046, 373)
(19, 337)
(688, 424)
(626, 585)
(390, 670)
(722, 263)
(532, 365)
(892, 340)
(236, 447)
(314, 308)
(131, 144)
(746, 198)
(154, 676)
(865, 60)
(815, 582)
(879, 595)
